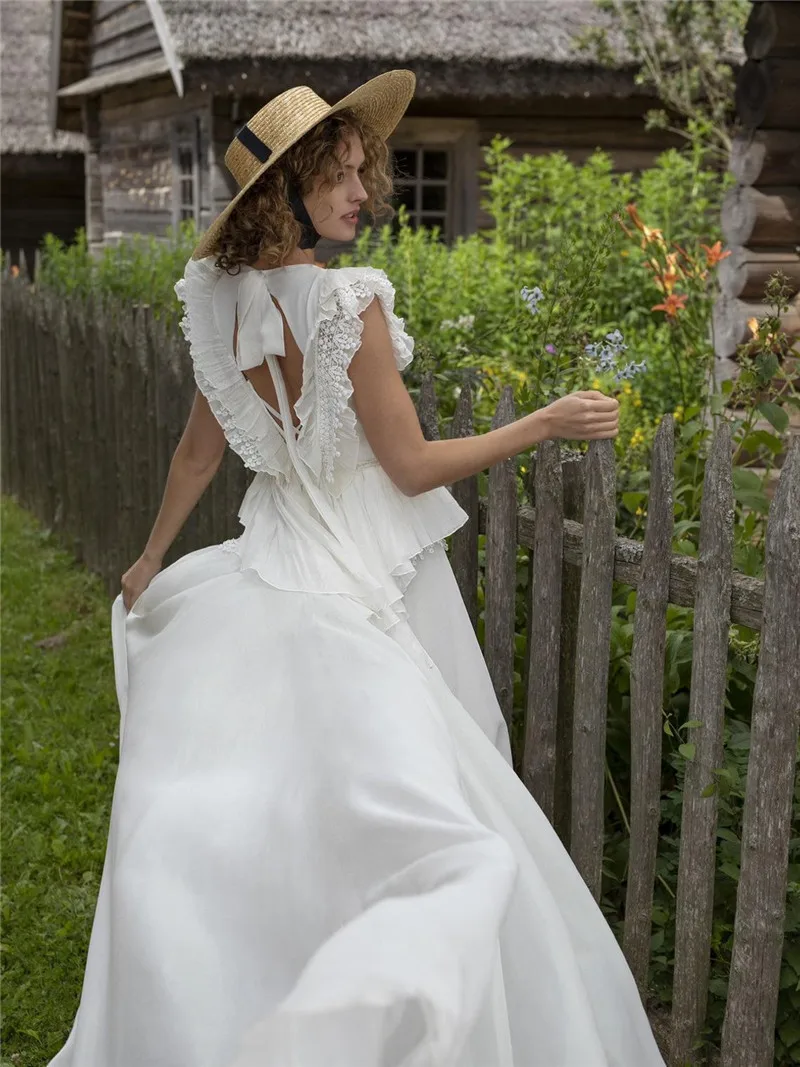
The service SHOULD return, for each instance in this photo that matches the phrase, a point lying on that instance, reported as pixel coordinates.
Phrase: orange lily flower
(714, 254)
(674, 303)
(753, 325)
(648, 233)
(670, 275)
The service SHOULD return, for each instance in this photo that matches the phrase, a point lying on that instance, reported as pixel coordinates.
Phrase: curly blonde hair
(263, 226)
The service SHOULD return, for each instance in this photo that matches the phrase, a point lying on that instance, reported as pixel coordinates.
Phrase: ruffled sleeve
(329, 443)
(249, 428)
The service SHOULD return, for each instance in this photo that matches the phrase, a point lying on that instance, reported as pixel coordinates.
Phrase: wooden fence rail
(94, 399)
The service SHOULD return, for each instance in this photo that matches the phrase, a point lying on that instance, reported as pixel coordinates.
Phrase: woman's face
(334, 212)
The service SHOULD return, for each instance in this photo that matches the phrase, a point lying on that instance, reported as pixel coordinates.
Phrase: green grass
(59, 762)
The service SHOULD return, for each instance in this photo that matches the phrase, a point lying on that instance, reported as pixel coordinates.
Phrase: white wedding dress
(319, 854)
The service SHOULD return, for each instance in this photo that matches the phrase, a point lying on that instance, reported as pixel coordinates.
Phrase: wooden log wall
(136, 142)
(106, 389)
(761, 213)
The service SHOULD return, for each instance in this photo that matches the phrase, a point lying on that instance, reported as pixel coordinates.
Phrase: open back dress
(319, 854)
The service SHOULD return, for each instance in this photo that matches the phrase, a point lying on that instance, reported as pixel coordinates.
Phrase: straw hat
(380, 103)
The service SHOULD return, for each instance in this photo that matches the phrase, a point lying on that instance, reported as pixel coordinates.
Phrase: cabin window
(186, 169)
(423, 181)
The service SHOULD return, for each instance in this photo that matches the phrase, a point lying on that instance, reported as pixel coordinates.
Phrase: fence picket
(427, 408)
(501, 570)
(464, 542)
(748, 1033)
(591, 665)
(697, 858)
(647, 696)
(573, 471)
(544, 627)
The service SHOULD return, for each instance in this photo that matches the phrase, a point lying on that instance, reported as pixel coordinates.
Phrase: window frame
(459, 139)
(186, 135)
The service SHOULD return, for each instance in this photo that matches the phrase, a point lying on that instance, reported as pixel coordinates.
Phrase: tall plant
(687, 53)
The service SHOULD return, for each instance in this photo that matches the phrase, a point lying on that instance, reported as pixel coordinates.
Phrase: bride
(319, 854)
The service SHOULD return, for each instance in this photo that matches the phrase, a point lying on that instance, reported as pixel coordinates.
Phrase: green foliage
(59, 760)
(140, 269)
(684, 50)
(553, 230)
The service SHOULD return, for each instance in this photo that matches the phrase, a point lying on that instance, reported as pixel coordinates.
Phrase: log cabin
(761, 213)
(159, 88)
(41, 171)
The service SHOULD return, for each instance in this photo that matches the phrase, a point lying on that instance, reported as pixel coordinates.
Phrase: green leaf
(687, 750)
(745, 479)
(633, 500)
(775, 415)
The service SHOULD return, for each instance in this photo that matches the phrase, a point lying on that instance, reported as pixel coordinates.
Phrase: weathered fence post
(544, 627)
(501, 569)
(647, 698)
(573, 476)
(464, 543)
(748, 1033)
(697, 859)
(591, 665)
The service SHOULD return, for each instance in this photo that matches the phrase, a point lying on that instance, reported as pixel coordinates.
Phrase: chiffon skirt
(319, 854)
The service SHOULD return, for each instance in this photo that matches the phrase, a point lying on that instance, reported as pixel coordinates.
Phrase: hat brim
(380, 103)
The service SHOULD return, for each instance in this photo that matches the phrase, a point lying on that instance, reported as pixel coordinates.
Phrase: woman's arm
(194, 463)
(415, 465)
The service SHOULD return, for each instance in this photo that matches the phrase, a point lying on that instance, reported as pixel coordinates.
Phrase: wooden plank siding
(121, 32)
(136, 150)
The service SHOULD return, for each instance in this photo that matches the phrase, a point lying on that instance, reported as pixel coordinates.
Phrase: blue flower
(606, 354)
(532, 298)
(630, 370)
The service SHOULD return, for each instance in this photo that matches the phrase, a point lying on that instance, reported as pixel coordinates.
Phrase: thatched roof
(459, 49)
(394, 31)
(464, 52)
(25, 48)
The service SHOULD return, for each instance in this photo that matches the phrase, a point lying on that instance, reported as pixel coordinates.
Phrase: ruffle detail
(328, 442)
(393, 530)
(290, 549)
(248, 427)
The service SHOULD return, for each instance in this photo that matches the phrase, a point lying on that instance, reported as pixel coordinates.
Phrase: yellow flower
(595, 383)
(627, 387)
(640, 511)
(678, 413)
(523, 469)
(637, 401)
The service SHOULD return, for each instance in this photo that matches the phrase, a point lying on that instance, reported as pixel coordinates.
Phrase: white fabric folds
(319, 854)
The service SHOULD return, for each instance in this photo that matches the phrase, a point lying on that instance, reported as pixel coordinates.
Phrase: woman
(319, 853)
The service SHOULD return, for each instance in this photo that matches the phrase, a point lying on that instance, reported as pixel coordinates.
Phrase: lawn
(59, 761)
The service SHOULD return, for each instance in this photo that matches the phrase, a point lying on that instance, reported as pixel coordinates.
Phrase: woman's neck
(296, 256)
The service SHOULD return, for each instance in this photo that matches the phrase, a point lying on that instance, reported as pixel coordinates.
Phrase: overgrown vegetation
(686, 53)
(59, 761)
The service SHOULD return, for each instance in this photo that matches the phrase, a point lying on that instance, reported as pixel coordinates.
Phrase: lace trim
(248, 428)
(325, 404)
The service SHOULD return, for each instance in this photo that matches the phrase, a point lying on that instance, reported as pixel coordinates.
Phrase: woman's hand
(137, 578)
(582, 416)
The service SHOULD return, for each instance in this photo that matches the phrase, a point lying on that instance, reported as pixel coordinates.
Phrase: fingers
(600, 402)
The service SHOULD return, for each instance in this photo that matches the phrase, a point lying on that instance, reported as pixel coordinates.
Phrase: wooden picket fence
(94, 399)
